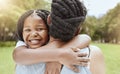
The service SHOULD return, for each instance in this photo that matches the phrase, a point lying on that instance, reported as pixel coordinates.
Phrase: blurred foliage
(7, 44)
(103, 29)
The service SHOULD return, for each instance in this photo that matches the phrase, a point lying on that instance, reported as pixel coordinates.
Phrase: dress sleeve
(20, 43)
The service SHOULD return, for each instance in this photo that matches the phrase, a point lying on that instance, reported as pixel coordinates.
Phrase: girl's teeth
(34, 41)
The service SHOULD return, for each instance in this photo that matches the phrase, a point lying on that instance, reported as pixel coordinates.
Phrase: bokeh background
(102, 26)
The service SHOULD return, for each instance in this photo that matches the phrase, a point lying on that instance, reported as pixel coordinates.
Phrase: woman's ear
(78, 31)
(48, 20)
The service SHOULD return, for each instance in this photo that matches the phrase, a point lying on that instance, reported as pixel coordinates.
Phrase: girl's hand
(53, 68)
(72, 57)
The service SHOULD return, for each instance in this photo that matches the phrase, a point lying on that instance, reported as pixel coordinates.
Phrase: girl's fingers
(81, 54)
(73, 68)
(83, 59)
(75, 49)
(83, 64)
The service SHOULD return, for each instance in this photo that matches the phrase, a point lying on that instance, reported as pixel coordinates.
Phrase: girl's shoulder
(20, 43)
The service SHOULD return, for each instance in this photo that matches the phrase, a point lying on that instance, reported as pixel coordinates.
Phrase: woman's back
(40, 68)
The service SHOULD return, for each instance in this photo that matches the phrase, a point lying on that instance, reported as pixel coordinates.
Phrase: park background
(103, 29)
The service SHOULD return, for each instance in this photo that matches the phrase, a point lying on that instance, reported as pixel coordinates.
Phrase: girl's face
(35, 32)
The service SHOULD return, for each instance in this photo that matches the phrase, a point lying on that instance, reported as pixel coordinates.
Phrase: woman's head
(66, 17)
(32, 28)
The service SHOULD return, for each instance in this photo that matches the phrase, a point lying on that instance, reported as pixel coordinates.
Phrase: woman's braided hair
(40, 12)
(66, 18)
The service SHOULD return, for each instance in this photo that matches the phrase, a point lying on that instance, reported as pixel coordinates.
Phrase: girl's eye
(40, 29)
(27, 30)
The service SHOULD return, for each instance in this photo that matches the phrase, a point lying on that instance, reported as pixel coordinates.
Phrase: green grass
(6, 61)
(112, 57)
(110, 51)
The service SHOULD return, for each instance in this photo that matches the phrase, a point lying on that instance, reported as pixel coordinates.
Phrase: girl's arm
(79, 41)
(23, 55)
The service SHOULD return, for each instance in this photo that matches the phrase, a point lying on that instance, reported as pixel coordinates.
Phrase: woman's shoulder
(95, 52)
(95, 49)
(97, 62)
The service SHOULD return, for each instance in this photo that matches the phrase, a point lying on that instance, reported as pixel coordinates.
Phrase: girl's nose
(34, 34)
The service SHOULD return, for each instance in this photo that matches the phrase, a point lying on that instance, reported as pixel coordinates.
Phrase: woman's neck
(56, 42)
(52, 39)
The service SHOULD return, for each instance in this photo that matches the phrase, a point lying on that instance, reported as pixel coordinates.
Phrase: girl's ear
(48, 20)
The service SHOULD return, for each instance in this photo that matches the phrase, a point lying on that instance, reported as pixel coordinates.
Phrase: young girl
(35, 34)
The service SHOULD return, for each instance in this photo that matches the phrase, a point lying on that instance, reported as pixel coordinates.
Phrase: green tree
(112, 25)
